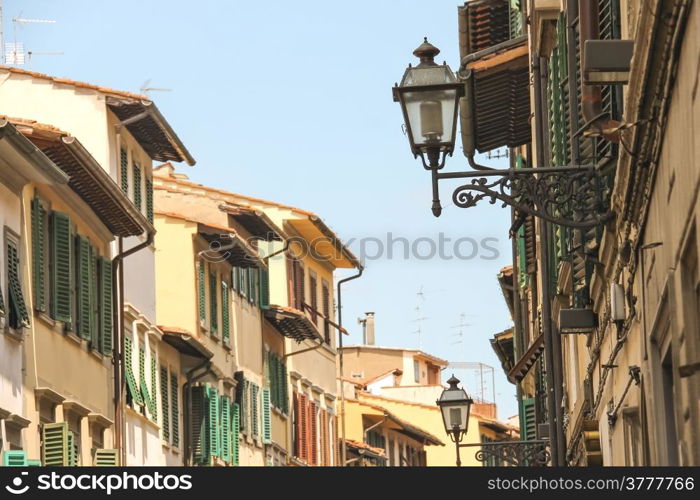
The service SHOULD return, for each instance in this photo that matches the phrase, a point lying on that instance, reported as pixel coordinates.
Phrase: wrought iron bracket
(533, 453)
(566, 196)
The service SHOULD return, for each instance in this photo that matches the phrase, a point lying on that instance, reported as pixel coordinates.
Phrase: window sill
(279, 412)
(143, 418)
(16, 335)
(74, 337)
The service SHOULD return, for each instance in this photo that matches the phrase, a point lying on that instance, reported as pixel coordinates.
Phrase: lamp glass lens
(431, 116)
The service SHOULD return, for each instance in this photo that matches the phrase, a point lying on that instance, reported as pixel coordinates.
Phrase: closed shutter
(244, 403)
(299, 285)
(137, 185)
(14, 458)
(38, 255)
(143, 385)
(124, 170)
(106, 458)
(255, 410)
(175, 409)
(235, 429)
(149, 200)
(55, 449)
(198, 430)
(264, 289)
(225, 314)
(61, 265)
(153, 408)
(213, 304)
(266, 417)
(84, 280)
(165, 406)
(312, 433)
(19, 315)
(235, 279)
(252, 285)
(129, 373)
(214, 437)
(243, 282)
(106, 312)
(225, 428)
(313, 288)
(323, 435)
(73, 453)
(285, 387)
(326, 304)
(201, 293)
(528, 422)
(303, 439)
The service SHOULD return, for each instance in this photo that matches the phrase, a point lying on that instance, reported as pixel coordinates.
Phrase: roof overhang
(364, 450)
(505, 280)
(376, 413)
(151, 130)
(483, 23)
(527, 360)
(256, 222)
(323, 243)
(231, 247)
(495, 110)
(502, 344)
(88, 179)
(292, 323)
(185, 343)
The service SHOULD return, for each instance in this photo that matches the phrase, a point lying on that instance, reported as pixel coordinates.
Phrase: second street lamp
(455, 406)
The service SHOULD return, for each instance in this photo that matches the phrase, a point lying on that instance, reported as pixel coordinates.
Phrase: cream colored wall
(426, 394)
(372, 363)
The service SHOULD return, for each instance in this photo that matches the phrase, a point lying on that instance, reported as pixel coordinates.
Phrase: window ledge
(16, 335)
(279, 412)
(74, 337)
(143, 418)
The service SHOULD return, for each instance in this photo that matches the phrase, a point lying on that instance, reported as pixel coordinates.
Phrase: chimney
(368, 329)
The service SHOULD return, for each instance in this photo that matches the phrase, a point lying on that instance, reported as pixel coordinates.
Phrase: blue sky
(291, 101)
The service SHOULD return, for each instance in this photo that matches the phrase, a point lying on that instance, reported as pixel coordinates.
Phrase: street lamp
(429, 96)
(455, 406)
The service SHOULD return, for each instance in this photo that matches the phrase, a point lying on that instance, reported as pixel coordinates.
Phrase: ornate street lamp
(455, 406)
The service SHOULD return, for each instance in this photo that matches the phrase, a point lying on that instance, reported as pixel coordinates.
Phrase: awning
(185, 343)
(234, 249)
(150, 129)
(495, 110)
(292, 323)
(522, 367)
(256, 222)
(87, 178)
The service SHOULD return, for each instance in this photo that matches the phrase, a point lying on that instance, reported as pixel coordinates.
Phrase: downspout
(343, 447)
(374, 426)
(186, 393)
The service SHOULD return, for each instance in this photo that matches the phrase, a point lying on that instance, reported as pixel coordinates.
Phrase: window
(277, 381)
(214, 430)
(213, 303)
(297, 283)
(633, 437)
(124, 170)
(416, 371)
(137, 185)
(313, 297)
(18, 316)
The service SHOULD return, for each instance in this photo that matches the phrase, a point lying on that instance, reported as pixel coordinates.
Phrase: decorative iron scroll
(570, 197)
(516, 453)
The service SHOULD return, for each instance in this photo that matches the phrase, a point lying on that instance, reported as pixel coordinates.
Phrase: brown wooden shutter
(290, 280)
(299, 285)
(324, 438)
(312, 434)
(313, 298)
(326, 304)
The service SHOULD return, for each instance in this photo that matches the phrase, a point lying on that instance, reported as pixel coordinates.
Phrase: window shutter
(14, 458)
(326, 304)
(213, 304)
(84, 280)
(285, 387)
(137, 185)
(129, 373)
(235, 428)
(143, 386)
(19, 315)
(225, 429)
(38, 255)
(304, 428)
(255, 410)
(313, 298)
(165, 407)
(323, 421)
(94, 301)
(242, 396)
(214, 437)
(201, 288)
(73, 454)
(106, 334)
(235, 279)
(198, 430)
(61, 265)
(299, 285)
(106, 458)
(175, 409)
(243, 282)
(313, 434)
(225, 315)
(264, 288)
(153, 408)
(124, 170)
(252, 275)
(273, 377)
(528, 420)
(149, 200)
(266, 417)
(54, 445)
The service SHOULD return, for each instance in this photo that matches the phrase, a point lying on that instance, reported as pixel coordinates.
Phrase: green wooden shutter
(252, 284)
(198, 431)
(19, 314)
(149, 396)
(164, 395)
(149, 200)
(124, 164)
(225, 428)
(94, 301)
(225, 315)
(243, 282)
(213, 304)
(245, 407)
(137, 185)
(61, 266)
(33, 463)
(106, 458)
(105, 306)
(201, 289)
(129, 373)
(254, 410)
(528, 422)
(38, 255)
(84, 280)
(264, 288)
(212, 419)
(175, 409)
(14, 458)
(266, 417)
(153, 408)
(285, 387)
(235, 429)
(235, 279)
(54, 445)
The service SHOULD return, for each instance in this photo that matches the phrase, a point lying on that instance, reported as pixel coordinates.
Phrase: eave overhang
(230, 246)
(323, 243)
(527, 360)
(292, 323)
(256, 222)
(185, 343)
(502, 344)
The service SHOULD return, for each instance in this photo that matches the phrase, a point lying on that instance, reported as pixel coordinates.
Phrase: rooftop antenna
(146, 88)
(460, 334)
(13, 52)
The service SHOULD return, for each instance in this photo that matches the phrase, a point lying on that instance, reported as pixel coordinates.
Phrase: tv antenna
(146, 88)
(13, 52)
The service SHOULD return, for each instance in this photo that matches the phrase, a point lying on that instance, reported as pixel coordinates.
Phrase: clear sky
(291, 101)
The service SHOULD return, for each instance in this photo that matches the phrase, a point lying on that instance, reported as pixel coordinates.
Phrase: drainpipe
(343, 447)
(372, 427)
(188, 397)
(595, 118)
